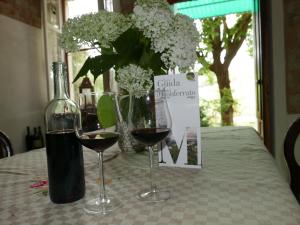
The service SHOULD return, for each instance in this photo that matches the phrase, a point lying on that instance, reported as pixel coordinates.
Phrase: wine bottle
(34, 132)
(28, 139)
(35, 140)
(40, 137)
(64, 151)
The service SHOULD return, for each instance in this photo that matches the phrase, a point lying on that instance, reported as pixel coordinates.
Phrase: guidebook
(182, 147)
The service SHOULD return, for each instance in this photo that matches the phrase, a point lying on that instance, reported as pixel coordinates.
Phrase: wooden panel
(26, 11)
(265, 53)
(175, 1)
(292, 54)
(127, 5)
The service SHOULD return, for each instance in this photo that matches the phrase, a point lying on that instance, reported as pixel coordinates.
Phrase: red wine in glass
(150, 136)
(97, 137)
(99, 141)
(149, 122)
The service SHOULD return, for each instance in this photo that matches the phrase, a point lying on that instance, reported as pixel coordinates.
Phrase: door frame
(265, 52)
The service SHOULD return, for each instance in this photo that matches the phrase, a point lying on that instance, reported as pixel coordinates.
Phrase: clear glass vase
(126, 142)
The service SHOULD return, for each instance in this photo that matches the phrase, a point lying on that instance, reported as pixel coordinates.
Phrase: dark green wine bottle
(64, 152)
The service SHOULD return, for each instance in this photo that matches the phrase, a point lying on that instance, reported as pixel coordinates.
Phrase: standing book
(182, 147)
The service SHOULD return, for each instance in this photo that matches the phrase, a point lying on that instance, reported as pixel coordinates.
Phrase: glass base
(103, 207)
(153, 195)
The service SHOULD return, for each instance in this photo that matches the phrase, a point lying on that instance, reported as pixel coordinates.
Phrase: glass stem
(161, 153)
(153, 187)
(102, 194)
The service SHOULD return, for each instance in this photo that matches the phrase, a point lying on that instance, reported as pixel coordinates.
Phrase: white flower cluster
(100, 28)
(154, 24)
(162, 4)
(174, 36)
(134, 79)
(183, 40)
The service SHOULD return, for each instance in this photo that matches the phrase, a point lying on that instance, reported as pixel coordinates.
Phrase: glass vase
(126, 142)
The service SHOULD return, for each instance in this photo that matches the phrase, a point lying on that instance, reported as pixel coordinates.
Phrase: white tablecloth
(238, 185)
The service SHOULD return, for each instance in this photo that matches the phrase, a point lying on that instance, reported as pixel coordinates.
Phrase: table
(238, 184)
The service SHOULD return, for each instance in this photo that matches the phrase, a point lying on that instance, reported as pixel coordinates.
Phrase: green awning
(198, 9)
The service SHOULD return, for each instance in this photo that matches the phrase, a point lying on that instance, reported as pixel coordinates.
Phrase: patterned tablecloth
(239, 184)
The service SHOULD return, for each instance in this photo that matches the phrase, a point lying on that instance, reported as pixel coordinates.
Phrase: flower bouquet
(150, 41)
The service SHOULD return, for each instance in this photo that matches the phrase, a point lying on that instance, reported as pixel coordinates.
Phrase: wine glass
(94, 135)
(149, 122)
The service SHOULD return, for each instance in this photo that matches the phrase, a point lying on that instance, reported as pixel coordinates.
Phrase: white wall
(282, 119)
(23, 90)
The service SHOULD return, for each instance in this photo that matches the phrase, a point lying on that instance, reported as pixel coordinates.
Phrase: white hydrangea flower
(102, 27)
(175, 37)
(134, 79)
(183, 39)
(162, 4)
(154, 24)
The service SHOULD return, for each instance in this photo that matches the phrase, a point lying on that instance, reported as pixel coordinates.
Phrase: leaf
(84, 69)
(124, 105)
(150, 59)
(129, 47)
(102, 63)
(128, 42)
(107, 51)
(106, 111)
(97, 65)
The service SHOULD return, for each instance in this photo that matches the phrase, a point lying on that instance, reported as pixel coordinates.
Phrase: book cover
(182, 147)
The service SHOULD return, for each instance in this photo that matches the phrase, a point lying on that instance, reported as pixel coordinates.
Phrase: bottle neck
(60, 91)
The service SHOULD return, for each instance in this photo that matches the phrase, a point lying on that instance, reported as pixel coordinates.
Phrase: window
(76, 60)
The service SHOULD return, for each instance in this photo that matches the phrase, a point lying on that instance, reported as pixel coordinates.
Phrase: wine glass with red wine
(94, 133)
(149, 122)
